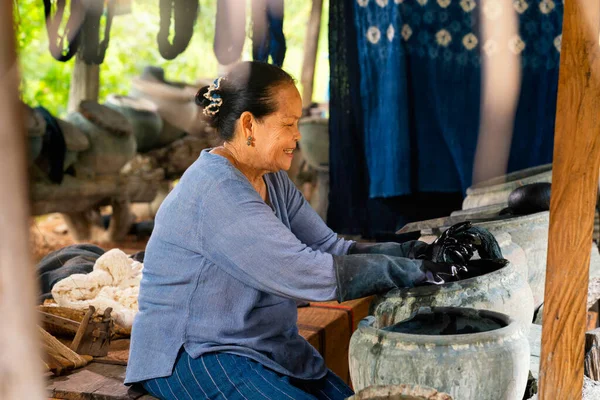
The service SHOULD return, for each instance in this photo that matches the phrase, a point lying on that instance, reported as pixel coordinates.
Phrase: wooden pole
(20, 361)
(311, 45)
(85, 83)
(574, 186)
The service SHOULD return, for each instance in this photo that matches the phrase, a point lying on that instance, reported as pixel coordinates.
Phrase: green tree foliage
(46, 81)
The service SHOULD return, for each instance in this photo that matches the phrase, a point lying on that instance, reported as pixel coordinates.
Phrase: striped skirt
(227, 376)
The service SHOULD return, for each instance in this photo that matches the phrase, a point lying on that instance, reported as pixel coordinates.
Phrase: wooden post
(574, 187)
(20, 361)
(311, 45)
(85, 83)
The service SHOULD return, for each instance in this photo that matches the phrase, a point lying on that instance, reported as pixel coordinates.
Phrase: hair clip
(215, 99)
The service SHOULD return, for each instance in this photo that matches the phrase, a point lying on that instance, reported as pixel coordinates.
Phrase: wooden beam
(20, 349)
(311, 45)
(574, 187)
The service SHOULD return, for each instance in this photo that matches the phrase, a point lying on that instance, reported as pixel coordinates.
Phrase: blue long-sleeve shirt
(223, 269)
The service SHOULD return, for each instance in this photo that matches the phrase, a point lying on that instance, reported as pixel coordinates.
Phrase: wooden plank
(314, 336)
(118, 353)
(574, 186)
(73, 195)
(94, 382)
(76, 385)
(592, 354)
(429, 224)
(437, 225)
(61, 322)
(311, 45)
(20, 360)
(115, 389)
(336, 331)
(358, 309)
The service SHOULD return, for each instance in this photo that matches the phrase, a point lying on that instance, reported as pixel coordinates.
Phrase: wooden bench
(327, 326)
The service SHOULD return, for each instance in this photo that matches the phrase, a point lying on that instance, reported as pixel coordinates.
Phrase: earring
(249, 141)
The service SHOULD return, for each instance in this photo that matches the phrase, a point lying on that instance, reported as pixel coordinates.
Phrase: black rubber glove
(457, 244)
(410, 249)
(361, 275)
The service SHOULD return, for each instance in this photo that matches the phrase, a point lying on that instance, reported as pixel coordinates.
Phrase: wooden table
(94, 382)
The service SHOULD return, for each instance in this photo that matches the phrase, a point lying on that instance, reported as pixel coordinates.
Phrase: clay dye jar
(497, 190)
(143, 116)
(502, 288)
(112, 143)
(454, 350)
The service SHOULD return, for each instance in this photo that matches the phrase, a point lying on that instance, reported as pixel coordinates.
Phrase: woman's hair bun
(200, 99)
(248, 86)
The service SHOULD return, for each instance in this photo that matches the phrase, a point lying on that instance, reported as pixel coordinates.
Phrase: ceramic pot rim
(450, 286)
(512, 327)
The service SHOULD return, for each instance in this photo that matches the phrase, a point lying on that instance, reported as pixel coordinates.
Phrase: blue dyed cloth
(222, 271)
(231, 377)
(54, 147)
(420, 71)
(267, 31)
(348, 210)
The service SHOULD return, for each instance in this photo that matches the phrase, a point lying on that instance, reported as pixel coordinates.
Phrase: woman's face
(276, 135)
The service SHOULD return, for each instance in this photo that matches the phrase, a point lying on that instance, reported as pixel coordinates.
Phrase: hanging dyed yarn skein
(230, 31)
(267, 31)
(93, 50)
(185, 13)
(71, 34)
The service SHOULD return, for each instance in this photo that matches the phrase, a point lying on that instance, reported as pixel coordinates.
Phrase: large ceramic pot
(530, 232)
(175, 105)
(497, 190)
(143, 116)
(504, 290)
(442, 355)
(112, 143)
(75, 142)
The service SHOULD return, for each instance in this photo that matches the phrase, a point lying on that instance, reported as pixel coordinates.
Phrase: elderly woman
(235, 245)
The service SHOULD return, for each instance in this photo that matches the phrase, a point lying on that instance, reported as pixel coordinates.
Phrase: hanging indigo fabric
(267, 31)
(92, 49)
(420, 69)
(347, 210)
(185, 13)
(54, 148)
(405, 99)
(230, 31)
(71, 34)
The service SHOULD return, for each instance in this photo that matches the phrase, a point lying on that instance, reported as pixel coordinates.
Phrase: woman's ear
(248, 124)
